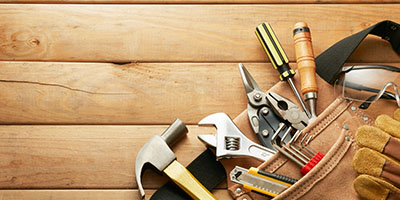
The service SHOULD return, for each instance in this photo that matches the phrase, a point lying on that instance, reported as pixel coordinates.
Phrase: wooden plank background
(177, 33)
(83, 87)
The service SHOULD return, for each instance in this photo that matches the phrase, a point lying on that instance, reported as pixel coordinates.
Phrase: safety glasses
(368, 83)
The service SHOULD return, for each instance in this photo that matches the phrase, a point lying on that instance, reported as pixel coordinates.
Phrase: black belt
(329, 63)
(205, 168)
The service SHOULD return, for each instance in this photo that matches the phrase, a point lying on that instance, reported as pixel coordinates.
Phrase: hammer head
(157, 152)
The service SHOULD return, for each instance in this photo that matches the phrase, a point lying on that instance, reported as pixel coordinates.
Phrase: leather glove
(378, 159)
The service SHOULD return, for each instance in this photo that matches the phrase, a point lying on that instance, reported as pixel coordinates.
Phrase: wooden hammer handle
(305, 57)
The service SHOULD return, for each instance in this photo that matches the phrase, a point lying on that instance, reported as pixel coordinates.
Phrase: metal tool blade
(230, 141)
(256, 98)
(287, 110)
(248, 81)
(209, 140)
(267, 186)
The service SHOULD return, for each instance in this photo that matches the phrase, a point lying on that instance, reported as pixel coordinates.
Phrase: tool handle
(187, 182)
(305, 57)
(311, 164)
(274, 50)
(279, 177)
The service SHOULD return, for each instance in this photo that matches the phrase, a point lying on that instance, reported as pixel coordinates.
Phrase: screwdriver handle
(304, 57)
(274, 50)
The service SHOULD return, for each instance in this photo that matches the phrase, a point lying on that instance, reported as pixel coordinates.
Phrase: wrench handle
(305, 57)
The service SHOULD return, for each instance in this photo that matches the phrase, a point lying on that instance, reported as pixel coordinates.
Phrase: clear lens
(365, 84)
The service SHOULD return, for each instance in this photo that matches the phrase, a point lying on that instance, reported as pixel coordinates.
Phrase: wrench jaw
(231, 142)
(213, 119)
(226, 145)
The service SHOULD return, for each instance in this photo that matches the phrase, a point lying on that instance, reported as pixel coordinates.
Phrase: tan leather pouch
(332, 134)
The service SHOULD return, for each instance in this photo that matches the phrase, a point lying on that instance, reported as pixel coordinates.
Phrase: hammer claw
(157, 152)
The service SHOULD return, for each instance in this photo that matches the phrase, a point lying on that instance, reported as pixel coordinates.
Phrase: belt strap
(329, 63)
(205, 168)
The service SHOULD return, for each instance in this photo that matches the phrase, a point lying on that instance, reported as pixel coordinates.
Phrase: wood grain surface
(180, 33)
(74, 114)
(140, 93)
(83, 156)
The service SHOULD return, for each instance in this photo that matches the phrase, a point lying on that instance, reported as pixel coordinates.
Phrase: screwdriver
(306, 64)
(278, 58)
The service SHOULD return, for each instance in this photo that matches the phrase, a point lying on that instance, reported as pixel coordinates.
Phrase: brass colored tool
(278, 58)
(261, 182)
(306, 65)
(156, 152)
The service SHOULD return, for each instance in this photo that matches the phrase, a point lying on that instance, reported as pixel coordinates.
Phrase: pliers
(288, 111)
(264, 121)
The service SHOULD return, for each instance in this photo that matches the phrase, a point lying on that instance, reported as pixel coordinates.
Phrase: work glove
(378, 159)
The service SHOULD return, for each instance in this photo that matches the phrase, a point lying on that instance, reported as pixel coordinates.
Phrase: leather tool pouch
(332, 133)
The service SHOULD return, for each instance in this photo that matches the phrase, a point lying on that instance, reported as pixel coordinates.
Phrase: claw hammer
(157, 152)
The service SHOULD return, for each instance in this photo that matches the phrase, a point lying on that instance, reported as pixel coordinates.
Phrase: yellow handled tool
(278, 58)
(157, 153)
(306, 64)
(261, 182)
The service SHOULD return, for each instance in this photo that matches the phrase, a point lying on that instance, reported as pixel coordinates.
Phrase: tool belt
(332, 133)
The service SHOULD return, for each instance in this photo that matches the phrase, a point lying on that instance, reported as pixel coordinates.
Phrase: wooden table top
(85, 83)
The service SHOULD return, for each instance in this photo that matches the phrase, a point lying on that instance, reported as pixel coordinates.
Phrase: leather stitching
(328, 120)
(278, 165)
(362, 114)
(326, 168)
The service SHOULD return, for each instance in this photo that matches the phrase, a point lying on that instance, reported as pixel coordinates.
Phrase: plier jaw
(256, 98)
(263, 120)
(288, 111)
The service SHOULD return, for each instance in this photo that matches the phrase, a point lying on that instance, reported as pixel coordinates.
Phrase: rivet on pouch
(238, 190)
(346, 127)
(347, 138)
(365, 118)
(353, 108)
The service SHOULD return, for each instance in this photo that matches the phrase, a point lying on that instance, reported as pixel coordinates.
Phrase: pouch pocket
(331, 178)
